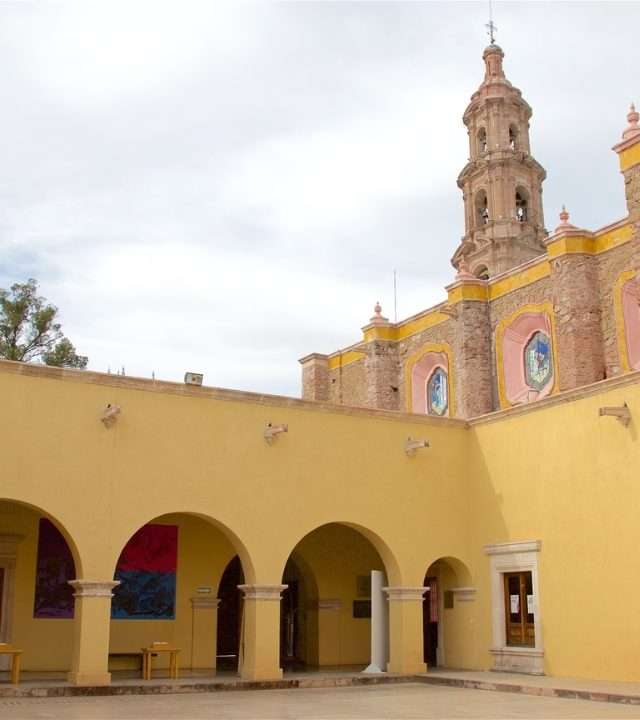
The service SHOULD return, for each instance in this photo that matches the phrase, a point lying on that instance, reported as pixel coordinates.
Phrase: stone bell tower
(502, 183)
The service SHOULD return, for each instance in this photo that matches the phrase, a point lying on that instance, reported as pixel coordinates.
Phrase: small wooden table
(6, 649)
(148, 652)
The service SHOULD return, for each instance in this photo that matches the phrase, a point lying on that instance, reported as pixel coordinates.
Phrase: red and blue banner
(146, 570)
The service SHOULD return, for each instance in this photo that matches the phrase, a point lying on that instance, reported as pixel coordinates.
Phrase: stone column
(576, 305)
(261, 632)
(315, 377)
(406, 639)
(381, 367)
(90, 658)
(205, 627)
(471, 346)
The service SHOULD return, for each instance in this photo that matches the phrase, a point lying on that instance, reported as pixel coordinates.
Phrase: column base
(76, 678)
(257, 675)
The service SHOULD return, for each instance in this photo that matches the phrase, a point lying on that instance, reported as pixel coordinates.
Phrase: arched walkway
(169, 573)
(38, 558)
(326, 608)
(446, 612)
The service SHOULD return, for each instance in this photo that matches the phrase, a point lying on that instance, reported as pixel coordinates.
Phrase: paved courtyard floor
(413, 700)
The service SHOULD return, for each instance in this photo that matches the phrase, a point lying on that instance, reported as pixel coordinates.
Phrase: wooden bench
(155, 649)
(136, 657)
(6, 649)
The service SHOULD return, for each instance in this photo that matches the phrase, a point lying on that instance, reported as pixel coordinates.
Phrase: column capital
(205, 603)
(93, 588)
(262, 592)
(404, 593)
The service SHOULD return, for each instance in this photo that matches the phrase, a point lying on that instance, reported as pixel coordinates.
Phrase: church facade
(490, 473)
(528, 314)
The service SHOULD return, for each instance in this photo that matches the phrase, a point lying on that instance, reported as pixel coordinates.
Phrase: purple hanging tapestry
(54, 569)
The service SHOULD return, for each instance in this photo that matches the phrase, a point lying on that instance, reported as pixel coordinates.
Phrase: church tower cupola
(502, 183)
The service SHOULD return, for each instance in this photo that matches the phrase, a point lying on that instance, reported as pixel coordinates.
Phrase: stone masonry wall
(381, 368)
(315, 381)
(348, 385)
(610, 265)
(576, 300)
(472, 359)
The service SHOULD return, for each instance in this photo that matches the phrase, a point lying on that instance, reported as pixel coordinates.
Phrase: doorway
(518, 606)
(229, 617)
(430, 618)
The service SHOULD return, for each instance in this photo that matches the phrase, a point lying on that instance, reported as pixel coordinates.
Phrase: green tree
(29, 331)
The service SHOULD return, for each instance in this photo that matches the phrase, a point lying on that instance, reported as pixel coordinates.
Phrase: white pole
(379, 625)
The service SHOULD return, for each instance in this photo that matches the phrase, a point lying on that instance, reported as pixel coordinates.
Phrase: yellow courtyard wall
(564, 475)
(196, 450)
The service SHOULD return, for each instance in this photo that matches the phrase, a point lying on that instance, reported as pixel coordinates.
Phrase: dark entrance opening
(229, 617)
(430, 622)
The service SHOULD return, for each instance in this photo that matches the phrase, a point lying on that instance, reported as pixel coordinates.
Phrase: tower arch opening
(513, 137)
(482, 208)
(522, 204)
(482, 141)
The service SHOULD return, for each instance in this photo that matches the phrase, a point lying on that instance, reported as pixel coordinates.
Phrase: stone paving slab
(540, 686)
(408, 701)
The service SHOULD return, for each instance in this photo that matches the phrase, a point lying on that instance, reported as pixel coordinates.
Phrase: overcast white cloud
(227, 187)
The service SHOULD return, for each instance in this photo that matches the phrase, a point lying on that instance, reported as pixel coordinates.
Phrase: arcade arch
(446, 610)
(38, 557)
(326, 608)
(169, 572)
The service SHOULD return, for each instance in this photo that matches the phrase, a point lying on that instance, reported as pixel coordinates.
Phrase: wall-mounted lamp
(621, 412)
(412, 445)
(271, 431)
(110, 415)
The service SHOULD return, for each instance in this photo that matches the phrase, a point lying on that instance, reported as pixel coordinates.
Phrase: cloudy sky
(224, 188)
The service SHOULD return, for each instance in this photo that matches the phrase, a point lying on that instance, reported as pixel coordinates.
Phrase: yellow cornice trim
(571, 244)
(545, 307)
(629, 156)
(468, 291)
(341, 359)
(613, 238)
(379, 332)
(408, 368)
(519, 280)
(621, 334)
(423, 322)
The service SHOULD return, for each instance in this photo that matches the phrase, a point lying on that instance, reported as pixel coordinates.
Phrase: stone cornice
(601, 386)
(213, 393)
(205, 603)
(464, 594)
(519, 546)
(93, 588)
(404, 593)
(262, 592)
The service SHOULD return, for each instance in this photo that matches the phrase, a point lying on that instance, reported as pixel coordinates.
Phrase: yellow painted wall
(554, 472)
(570, 478)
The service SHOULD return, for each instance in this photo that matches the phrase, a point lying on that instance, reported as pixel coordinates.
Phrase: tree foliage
(29, 331)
